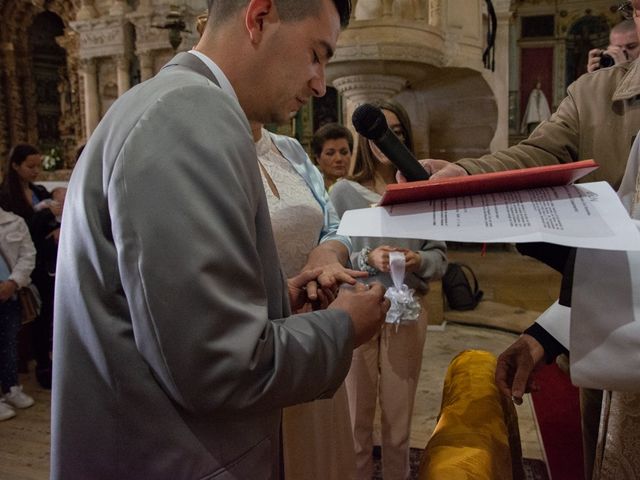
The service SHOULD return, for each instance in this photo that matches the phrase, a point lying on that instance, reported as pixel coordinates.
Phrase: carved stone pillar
(4, 132)
(87, 10)
(146, 65)
(13, 97)
(419, 10)
(358, 89)
(88, 70)
(123, 74)
(144, 5)
(499, 81)
(387, 8)
(435, 13)
(119, 7)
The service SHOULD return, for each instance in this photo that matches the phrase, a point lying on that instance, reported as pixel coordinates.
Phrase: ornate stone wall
(420, 51)
(109, 46)
(18, 104)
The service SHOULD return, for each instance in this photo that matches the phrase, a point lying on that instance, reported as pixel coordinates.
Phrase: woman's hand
(55, 208)
(324, 287)
(412, 261)
(298, 297)
(329, 257)
(379, 258)
(55, 235)
(7, 289)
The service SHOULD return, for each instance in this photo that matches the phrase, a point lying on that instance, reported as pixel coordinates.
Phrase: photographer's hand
(619, 54)
(593, 62)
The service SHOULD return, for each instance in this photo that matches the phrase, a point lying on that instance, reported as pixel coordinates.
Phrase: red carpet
(557, 408)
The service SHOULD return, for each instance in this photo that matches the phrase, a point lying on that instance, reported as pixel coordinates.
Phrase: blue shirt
(5, 271)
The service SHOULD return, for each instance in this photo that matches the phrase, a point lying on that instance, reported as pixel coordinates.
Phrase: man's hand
(7, 289)
(367, 307)
(618, 54)
(437, 169)
(593, 60)
(515, 366)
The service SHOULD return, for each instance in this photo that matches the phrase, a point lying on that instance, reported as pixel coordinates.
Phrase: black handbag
(456, 287)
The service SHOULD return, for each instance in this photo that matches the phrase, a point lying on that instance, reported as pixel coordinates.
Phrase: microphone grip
(401, 157)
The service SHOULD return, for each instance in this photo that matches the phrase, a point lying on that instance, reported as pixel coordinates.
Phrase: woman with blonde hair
(387, 368)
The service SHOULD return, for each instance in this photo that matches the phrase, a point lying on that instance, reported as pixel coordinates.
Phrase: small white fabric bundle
(404, 305)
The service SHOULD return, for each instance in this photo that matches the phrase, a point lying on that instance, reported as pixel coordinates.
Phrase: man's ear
(259, 13)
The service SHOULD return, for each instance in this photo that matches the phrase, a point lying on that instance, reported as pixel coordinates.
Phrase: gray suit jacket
(173, 349)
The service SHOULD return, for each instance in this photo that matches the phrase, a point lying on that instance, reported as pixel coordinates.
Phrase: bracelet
(363, 262)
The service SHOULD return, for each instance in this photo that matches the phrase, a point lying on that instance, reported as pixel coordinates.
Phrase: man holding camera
(623, 47)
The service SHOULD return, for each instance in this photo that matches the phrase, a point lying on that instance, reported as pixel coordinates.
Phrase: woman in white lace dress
(317, 435)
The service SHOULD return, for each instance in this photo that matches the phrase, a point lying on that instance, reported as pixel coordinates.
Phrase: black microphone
(369, 122)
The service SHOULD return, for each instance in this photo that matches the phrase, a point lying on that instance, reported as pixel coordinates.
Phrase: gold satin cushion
(472, 437)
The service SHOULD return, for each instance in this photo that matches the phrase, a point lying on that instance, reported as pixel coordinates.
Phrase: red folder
(521, 179)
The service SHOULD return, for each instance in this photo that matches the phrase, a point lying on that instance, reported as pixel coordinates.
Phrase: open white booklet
(588, 215)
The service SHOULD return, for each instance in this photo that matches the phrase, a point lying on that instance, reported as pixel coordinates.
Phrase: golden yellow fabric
(471, 438)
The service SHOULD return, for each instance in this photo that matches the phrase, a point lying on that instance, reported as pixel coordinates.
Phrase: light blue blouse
(300, 161)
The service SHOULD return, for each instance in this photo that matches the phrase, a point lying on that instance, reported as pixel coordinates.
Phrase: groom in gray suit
(174, 347)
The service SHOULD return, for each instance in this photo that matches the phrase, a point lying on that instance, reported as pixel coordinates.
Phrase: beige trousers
(386, 369)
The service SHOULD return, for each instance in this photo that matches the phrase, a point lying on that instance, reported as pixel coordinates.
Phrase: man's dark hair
(289, 10)
(330, 131)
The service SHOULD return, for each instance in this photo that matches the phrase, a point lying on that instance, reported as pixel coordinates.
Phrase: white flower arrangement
(51, 160)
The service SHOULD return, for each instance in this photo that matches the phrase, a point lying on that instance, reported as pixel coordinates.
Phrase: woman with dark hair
(386, 369)
(332, 145)
(18, 194)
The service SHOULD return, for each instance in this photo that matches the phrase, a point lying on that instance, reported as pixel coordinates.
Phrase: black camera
(606, 60)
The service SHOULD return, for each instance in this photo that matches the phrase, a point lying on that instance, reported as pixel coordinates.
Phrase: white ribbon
(404, 306)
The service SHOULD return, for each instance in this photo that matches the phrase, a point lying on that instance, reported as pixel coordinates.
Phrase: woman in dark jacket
(18, 194)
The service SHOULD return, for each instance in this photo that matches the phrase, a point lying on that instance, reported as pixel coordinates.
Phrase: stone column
(144, 4)
(435, 13)
(87, 10)
(500, 82)
(419, 10)
(119, 7)
(123, 74)
(358, 89)
(88, 70)
(146, 65)
(387, 8)
(13, 98)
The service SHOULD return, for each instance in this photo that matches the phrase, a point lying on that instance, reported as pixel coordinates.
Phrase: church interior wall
(453, 117)
(452, 123)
